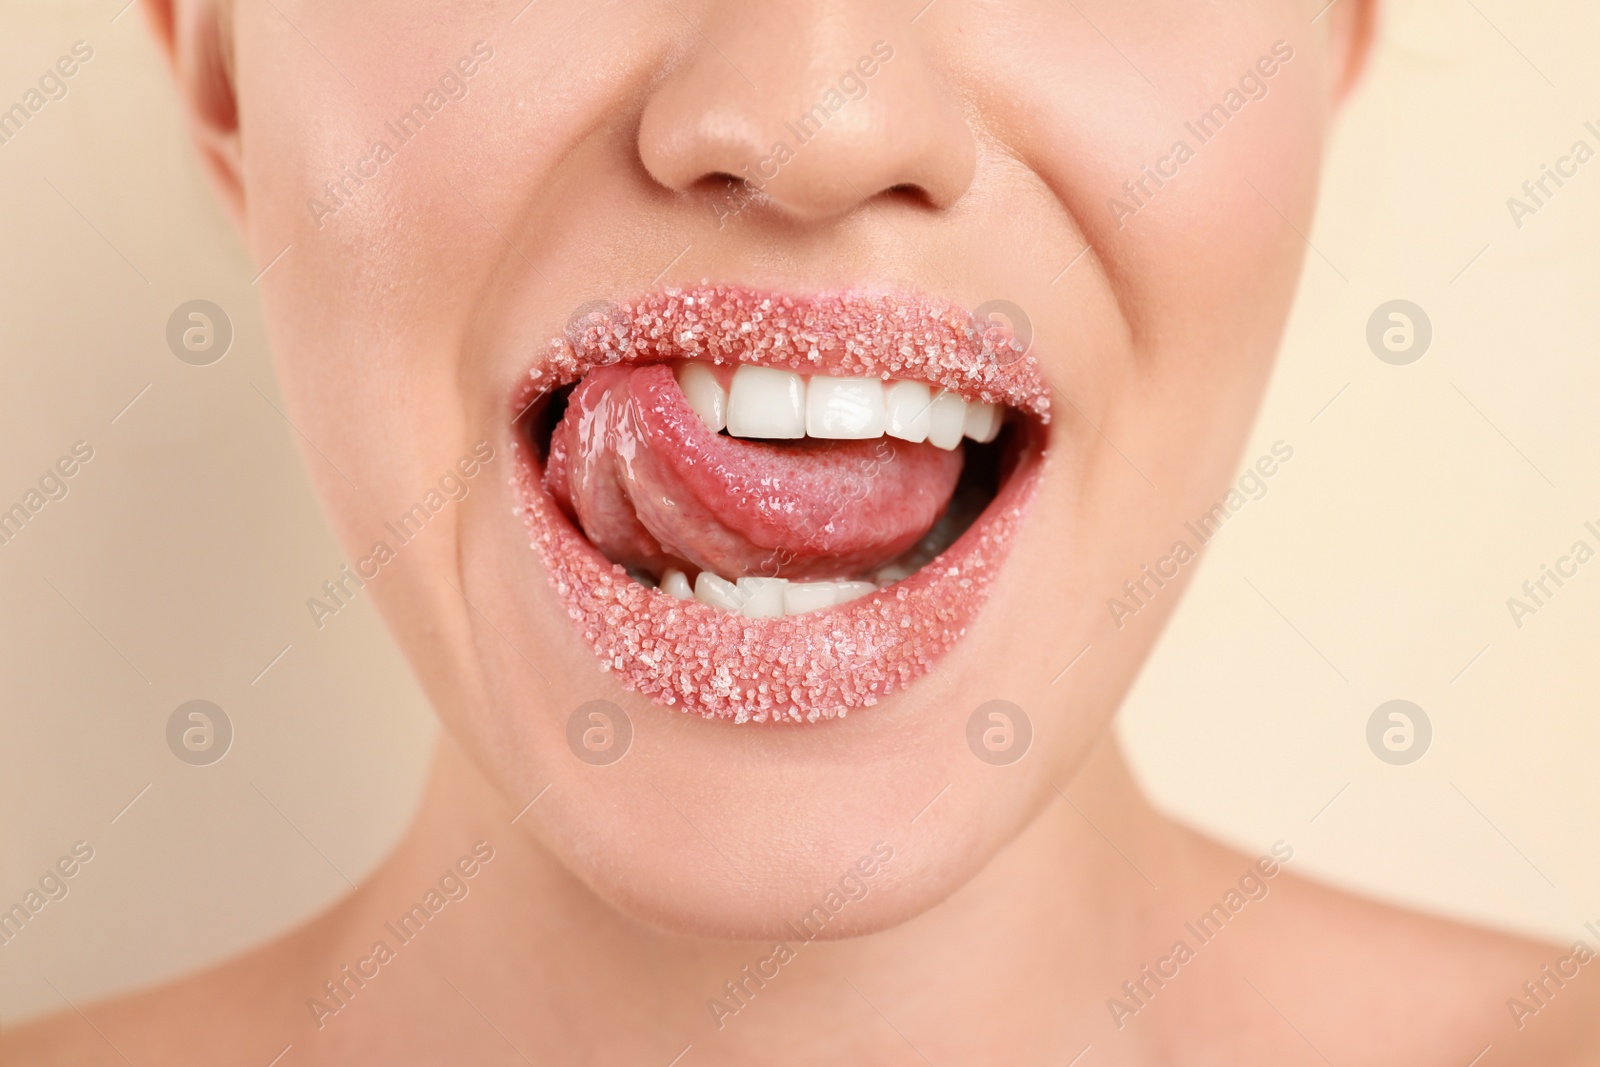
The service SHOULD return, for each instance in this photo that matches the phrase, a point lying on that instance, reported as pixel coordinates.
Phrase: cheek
(365, 310)
(367, 292)
(1196, 227)
(1185, 299)
(1090, 119)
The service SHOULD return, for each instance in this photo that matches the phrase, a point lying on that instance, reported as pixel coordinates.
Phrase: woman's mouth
(773, 508)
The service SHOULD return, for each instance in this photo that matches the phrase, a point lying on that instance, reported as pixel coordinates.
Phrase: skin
(583, 162)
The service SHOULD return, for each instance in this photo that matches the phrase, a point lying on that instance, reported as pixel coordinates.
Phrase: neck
(1043, 934)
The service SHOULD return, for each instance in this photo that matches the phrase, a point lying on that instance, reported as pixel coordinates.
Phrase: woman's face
(479, 204)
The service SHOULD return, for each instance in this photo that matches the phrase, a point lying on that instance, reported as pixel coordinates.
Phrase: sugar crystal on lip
(880, 333)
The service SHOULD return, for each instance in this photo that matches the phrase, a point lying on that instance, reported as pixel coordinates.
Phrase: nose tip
(815, 116)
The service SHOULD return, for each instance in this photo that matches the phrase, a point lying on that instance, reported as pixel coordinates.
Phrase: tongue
(653, 487)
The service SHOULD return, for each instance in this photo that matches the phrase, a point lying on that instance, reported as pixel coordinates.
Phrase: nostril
(911, 194)
(720, 184)
(728, 195)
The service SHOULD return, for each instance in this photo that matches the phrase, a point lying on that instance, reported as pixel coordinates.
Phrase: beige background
(1416, 503)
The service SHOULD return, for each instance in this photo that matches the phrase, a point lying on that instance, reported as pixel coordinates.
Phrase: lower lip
(801, 668)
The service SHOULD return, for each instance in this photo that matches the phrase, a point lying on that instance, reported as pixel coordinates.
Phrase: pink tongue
(653, 487)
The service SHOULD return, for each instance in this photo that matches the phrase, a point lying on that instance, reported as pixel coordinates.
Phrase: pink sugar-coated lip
(803, 668)
(844, 334)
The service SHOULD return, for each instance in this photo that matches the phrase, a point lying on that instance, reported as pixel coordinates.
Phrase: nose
(818, 105)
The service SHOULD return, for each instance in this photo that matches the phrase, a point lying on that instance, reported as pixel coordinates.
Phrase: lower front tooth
(894, 572)
(716, 592)
(761, 598)
(676, 583)
(802, 597)
(848, 591)
(766, 598)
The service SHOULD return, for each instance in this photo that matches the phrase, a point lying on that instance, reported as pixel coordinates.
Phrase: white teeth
(765, 402)
(947, 420)
(762, 598)
(848, 591)
(802, 597)
(983, 422)
(716, 592)
(894, 572)
(677, 584)
(774, 404)
(907, 408)
(844, 409)
(705, 395)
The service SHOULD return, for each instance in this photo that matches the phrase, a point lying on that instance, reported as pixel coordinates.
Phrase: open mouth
(772, 508)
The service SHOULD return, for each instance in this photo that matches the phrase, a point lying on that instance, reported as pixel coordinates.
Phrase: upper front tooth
(947, 419)
(766, 402)
(907, 407)
(845, 409)
(705, 395)
(983, 422)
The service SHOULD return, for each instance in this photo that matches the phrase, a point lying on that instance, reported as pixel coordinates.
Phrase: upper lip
(841, 333)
